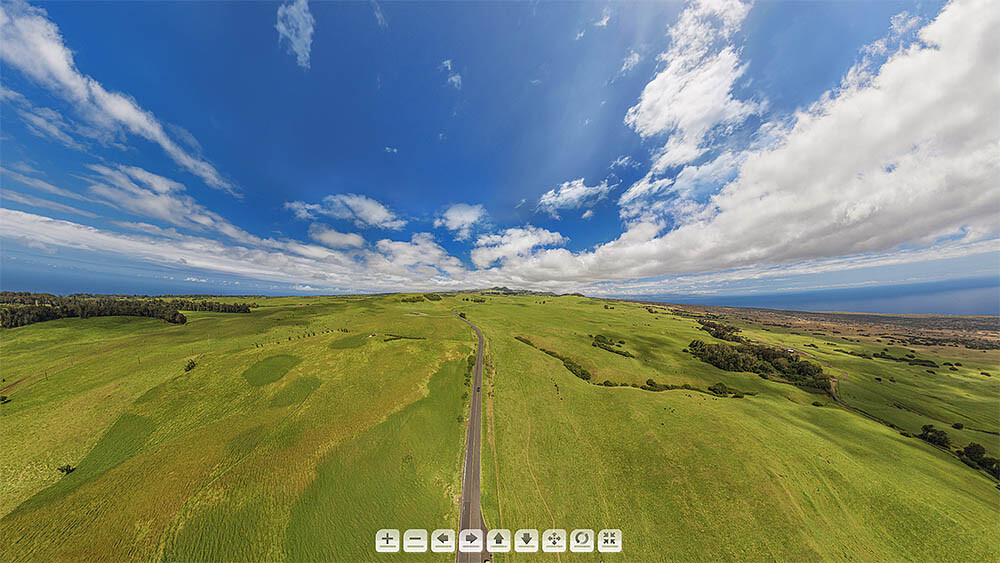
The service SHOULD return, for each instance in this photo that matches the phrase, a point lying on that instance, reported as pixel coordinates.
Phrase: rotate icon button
(581, 541)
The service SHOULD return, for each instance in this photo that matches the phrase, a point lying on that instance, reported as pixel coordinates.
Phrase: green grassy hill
(310, 423)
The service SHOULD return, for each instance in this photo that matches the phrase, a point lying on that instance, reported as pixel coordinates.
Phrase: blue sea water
(976, 296)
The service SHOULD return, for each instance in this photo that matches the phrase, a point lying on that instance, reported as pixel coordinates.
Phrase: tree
(190, 365)
(974, 451)
(934, 436)
(66, 469)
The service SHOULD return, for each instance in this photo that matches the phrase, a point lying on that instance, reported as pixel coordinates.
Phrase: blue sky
(701, 148)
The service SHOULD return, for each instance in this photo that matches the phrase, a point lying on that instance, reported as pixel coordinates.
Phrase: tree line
(24, 308)
(764, 361)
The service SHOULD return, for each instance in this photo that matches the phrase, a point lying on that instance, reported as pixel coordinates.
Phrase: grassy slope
(302, 448)
(189, 465)
(687, 476)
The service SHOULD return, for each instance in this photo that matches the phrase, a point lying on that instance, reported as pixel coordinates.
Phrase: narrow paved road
(471, 516)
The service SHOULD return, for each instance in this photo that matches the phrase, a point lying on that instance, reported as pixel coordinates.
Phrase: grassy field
(309, 424)
(689, 476)
(288, 431)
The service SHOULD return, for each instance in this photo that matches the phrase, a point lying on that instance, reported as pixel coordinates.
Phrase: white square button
(415, 541)
(443, 541)
(609, 541)
(554, 541)
(581, 541)
(470, 541)
(526, 541)
(387, 541)
(498, 541)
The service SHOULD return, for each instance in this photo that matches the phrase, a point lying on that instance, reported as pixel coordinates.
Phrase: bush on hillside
(934, 436)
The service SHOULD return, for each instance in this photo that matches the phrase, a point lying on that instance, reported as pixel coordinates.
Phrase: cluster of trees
(412, 299)
(24, 308)
(723, 390)
(573, 367)
(605, 343)
(910, 359)
(721, 331)
(934, 436)
(975, 455)
(764, 361)
(391, 337)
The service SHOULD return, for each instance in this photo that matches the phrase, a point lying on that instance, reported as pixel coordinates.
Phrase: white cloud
(587, 214)
(580, 35)
(630, 62)
(335, 239)
(454, 78)
(605, 17)
(142, 193)
(693, 92)
(42, 203)
(391, 150)
(421, 257)
(363, 210)
(379, 15)
(32, 44)
(196, 280)
(624, 161)
(43, 185)
(295, 26)
(572, 195)
(511, 244)
(863, 171)
(460, 218)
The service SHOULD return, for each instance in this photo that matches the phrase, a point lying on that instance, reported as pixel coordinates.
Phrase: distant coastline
(973, 296)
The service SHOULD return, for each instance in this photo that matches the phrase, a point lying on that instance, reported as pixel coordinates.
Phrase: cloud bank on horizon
(681, 167)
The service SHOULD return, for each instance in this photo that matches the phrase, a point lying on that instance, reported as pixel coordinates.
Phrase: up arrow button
(499, 541)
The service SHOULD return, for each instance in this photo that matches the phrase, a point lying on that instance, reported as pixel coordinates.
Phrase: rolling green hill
(310, 423)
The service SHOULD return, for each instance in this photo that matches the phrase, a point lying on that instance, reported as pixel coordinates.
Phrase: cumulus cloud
(420, 256)
(335, 239)
(518, 242)
(692, 94)
(453, 76)
(32, 44)
(573, 194)
(460, 218)
(295, 27)
(363, 210)
(391, 150)
(630, 62)
(863, 170)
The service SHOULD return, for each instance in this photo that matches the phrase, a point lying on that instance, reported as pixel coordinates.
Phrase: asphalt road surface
(471, 516)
